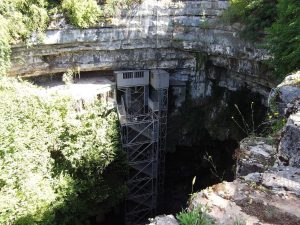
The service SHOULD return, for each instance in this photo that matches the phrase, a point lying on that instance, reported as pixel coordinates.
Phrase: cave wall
(209, 64)
(165, 34)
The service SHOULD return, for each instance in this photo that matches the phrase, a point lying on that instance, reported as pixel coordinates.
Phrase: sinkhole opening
(211, 162)
(202, 139)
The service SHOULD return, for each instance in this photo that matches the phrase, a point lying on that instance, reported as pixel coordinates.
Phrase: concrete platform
(87, 88)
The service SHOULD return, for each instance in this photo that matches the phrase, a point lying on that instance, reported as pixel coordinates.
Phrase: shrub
(22, 19)
(82, 13)
(5, 50)
(276, 24)
(113, 7)
(196, 216)
(25, 17)
(284, 38)
(57, 165)
(18, 20)
(255, 15)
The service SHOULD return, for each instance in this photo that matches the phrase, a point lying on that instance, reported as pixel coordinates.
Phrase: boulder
(286, 99)
(164, 220)
(254, 155)
(289, 147)
(285, 93)
(272, 197)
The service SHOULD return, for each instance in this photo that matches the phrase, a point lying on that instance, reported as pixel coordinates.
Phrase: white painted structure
(132, 78)
(159, 79)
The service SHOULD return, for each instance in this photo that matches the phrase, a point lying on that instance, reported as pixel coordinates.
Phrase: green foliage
(274, 22)
(57, 165)
(239, 222)
(87, 13)
(274, 124)
(5, 50)
(68, 77)
(18, 20)
(247, 129)
(22, 19)
(284, 38)
(196, 216)
(255, 15)
(275, 121)
(111, 7)
(82, 13)
(214, 170)
(270, 126)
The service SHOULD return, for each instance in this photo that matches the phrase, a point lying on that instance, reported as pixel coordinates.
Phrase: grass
(239, 222)
(196, 216)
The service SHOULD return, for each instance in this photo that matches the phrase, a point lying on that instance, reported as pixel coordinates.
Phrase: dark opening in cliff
(181, 167)
(202, 140)
(211, 162)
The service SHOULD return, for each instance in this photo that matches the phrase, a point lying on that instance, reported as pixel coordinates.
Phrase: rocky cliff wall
(267, 185)
(186, 38)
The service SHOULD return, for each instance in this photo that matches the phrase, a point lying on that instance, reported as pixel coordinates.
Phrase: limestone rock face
(267, 185)
(254, 155)
(271, 197)
(164, 220)
(288, 103)
(185, 37)
(286, 93)
(289, 147)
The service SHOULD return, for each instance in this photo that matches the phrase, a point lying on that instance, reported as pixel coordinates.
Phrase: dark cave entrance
(194, 136)
(181, 167)
(201, 145)
(202, 140)
(190, 161)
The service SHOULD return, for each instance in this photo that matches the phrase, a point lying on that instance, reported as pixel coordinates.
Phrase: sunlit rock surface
(286, 93)
(267, 187)
(272, 197)
(164, 220)
(254, 155)
(86, 89)
(186, 38)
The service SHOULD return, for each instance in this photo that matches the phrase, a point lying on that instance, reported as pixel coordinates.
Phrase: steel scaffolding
(142, 111)
(160, 112)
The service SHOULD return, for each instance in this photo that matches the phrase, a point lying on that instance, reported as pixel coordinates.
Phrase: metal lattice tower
(158, 105)
(142, 110)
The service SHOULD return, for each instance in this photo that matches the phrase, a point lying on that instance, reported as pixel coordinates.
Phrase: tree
(58, 166)
(284, 38)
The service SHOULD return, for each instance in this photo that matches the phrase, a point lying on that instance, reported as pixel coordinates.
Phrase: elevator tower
(142, 103)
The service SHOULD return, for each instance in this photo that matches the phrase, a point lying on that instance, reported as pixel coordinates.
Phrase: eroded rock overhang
(157, 34)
